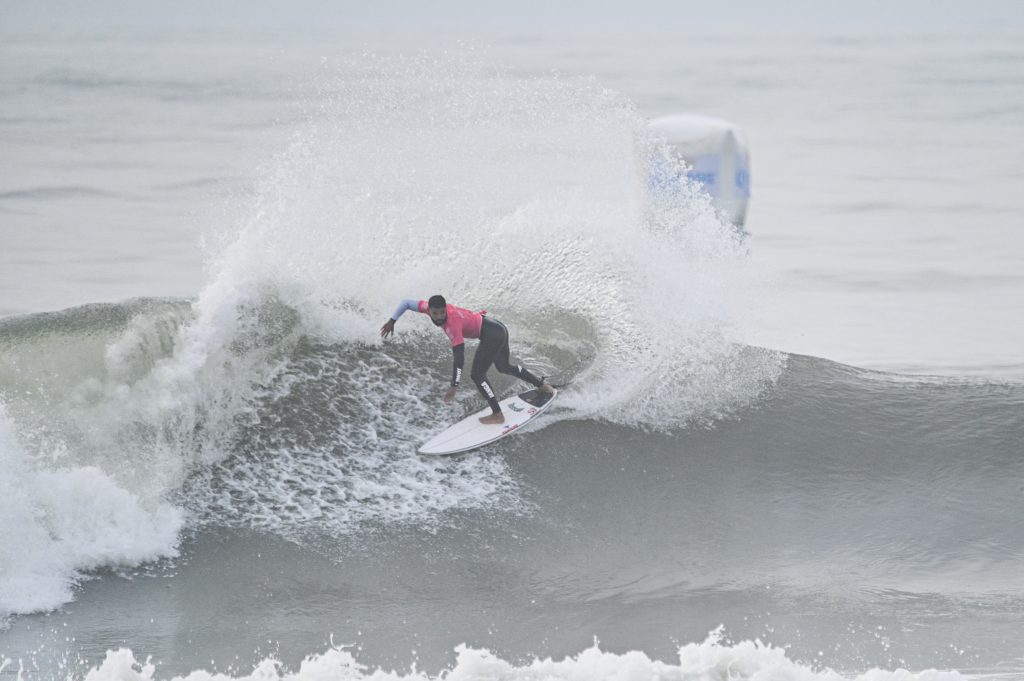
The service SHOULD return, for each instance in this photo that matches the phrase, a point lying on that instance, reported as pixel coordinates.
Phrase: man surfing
(459, 323)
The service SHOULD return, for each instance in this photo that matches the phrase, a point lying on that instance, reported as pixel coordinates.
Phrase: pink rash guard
(461, 323)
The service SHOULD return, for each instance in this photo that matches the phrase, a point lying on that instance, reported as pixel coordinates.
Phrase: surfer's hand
(388, 328)
(450, 395)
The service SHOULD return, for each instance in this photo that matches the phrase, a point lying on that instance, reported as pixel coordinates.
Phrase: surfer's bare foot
(492, 419)
(546, 387)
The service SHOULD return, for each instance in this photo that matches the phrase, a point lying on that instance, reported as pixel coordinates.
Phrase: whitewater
(225, 484)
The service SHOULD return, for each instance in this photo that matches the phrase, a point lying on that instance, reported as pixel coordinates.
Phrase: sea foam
(61, 522)
(710, 660)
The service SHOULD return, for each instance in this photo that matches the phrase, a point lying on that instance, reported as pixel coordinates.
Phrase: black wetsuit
(493, 349)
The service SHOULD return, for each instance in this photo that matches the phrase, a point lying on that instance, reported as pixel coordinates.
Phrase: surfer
(459, 323)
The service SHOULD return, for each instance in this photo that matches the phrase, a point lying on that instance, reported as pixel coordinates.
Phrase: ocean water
(793, 455)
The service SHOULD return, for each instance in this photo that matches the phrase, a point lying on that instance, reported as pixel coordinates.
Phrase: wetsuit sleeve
(403, 306)
(460, 358)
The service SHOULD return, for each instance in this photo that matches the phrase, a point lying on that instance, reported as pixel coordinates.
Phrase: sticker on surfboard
(469, 433)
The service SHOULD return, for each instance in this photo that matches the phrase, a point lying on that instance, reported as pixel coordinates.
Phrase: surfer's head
(437, 306)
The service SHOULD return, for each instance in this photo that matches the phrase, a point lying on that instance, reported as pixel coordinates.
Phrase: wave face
(267, 402)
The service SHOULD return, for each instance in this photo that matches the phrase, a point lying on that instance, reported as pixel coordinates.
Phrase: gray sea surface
(810, 438)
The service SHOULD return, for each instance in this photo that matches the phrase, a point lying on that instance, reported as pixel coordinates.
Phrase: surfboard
(469, 433)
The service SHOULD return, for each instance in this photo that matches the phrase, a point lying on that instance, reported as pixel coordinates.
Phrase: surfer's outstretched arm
(406, 304)
(389, 325)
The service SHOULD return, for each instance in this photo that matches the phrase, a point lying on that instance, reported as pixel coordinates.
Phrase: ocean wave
(277, 424)
(269, 401)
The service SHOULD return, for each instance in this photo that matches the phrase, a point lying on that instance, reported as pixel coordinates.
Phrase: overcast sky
(745, 15)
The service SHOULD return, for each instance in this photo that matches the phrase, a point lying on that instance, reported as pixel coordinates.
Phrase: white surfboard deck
(469, 433)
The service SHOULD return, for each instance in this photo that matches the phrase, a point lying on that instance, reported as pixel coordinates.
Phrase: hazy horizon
(739, 15)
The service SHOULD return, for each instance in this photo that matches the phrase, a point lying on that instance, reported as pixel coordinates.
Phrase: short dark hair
(437, 302)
